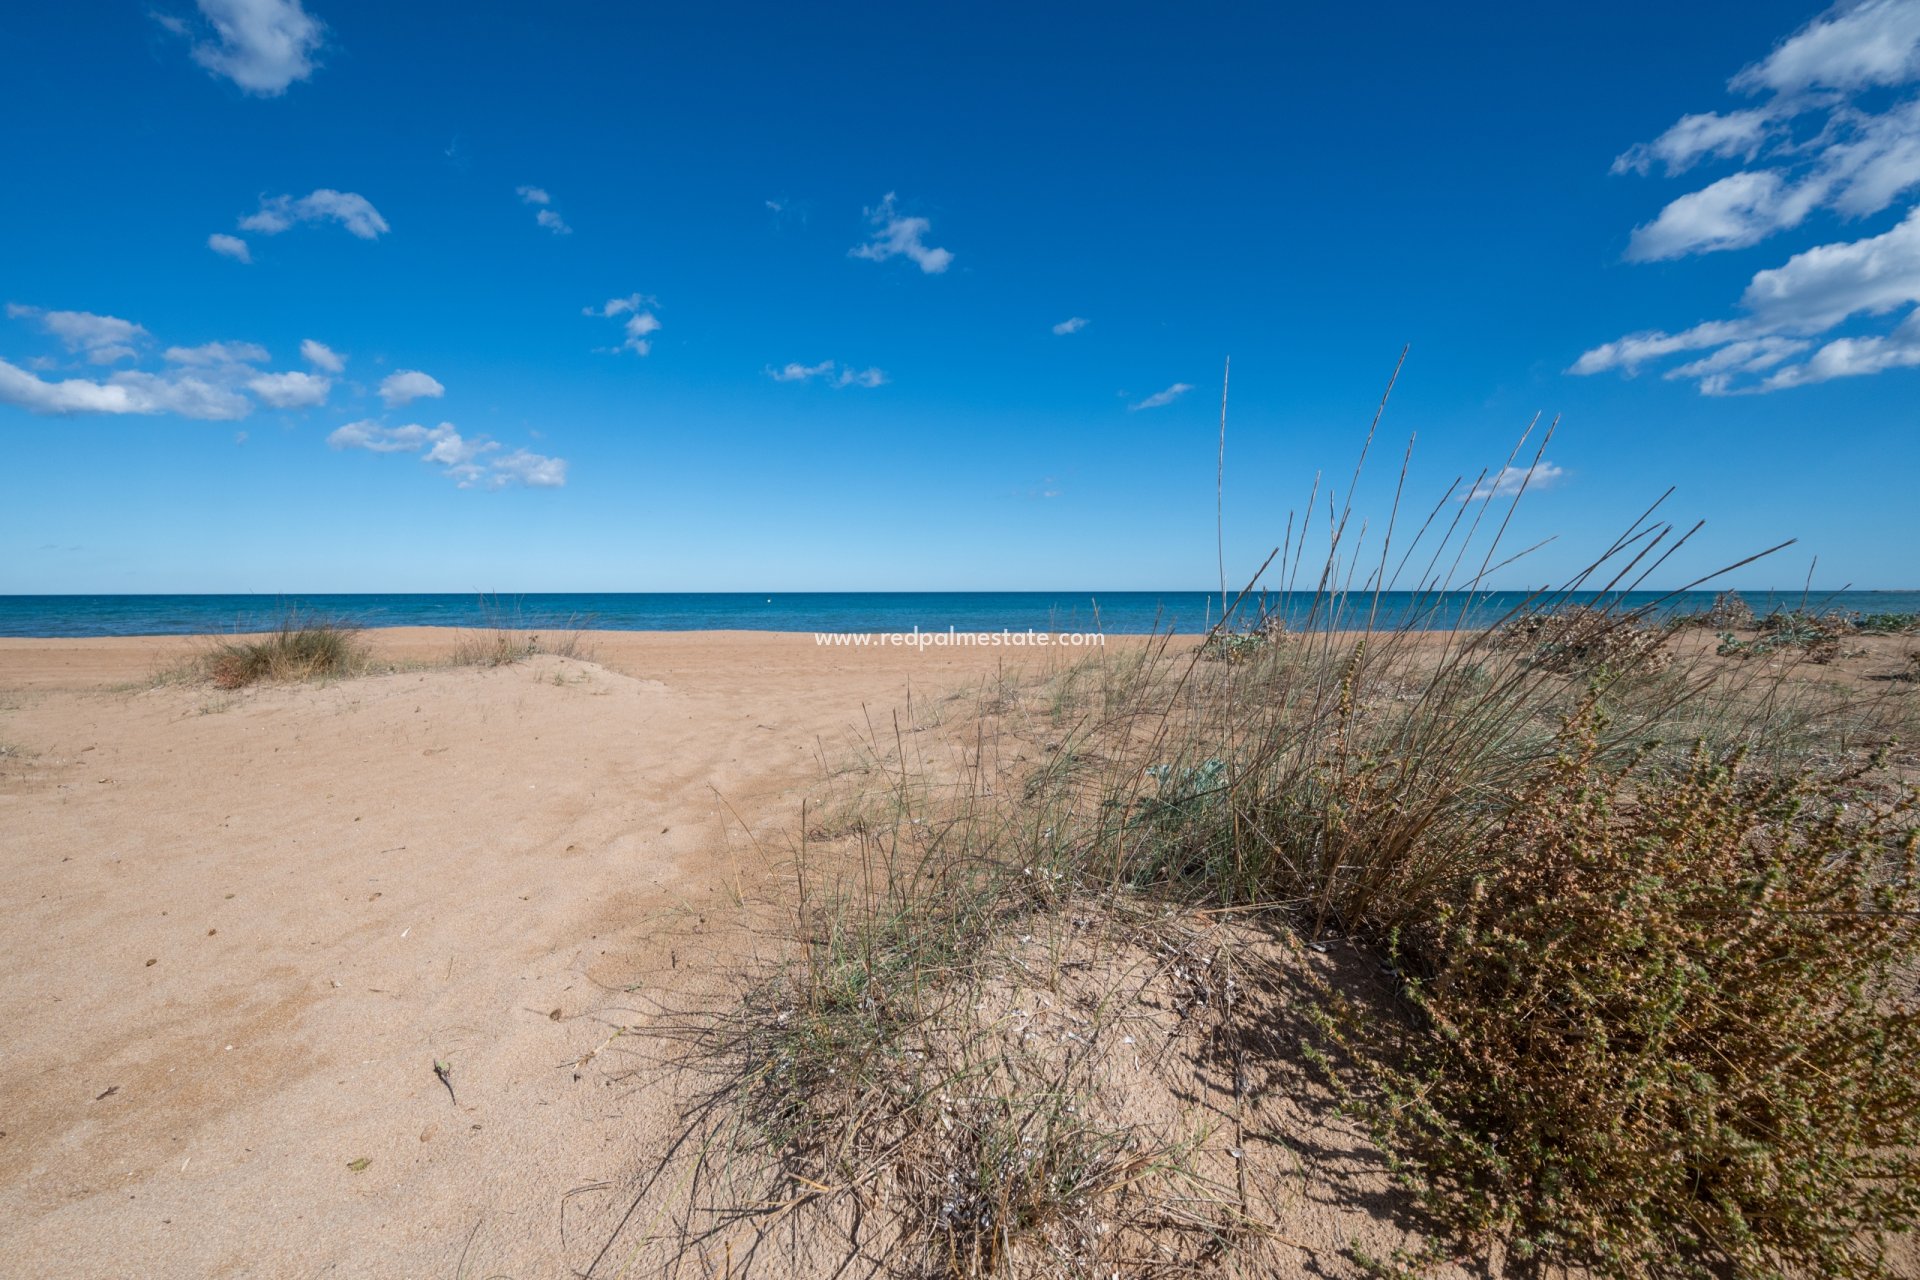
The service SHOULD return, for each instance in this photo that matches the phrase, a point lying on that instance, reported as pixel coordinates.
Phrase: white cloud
(103, 339)
(1817, 289)
(351, 210)
(1819, 147)
(797, 372)
(546, 217)
(1732, 213)
(639, 323)
(536, 471)
(407, 385)
(1160, 399)
(471, 464)
(1510, 480)
(1708, 135)
(291, 390)
(368, 434)
(1072, 324)
(1716, 373)
(847, 377)
(230, 246)
(1849, 47)
(261, 45)
(1815, 143)
(125, 392)
(215, 354)
(321, 356)
(1854, 357)
(1809, 294)
(895, 236)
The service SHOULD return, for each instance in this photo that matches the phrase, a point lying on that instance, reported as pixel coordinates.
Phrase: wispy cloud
(639, 324)
(409, 385)
(546, 217)
(895, 236)
(470, 463)
(214, 355)
(1818, 147)
(797, 372)
(229, 247)
(261, 45)
(1072, 324)
(1508, 481)
(350, 209)
(1160, 399)
(321, 356)
(846, 377)
(102, 339)
(1824, 137)
(292, 390)
(1811, 293)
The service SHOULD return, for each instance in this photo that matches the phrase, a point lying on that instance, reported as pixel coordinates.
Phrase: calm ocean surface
(1117, 613)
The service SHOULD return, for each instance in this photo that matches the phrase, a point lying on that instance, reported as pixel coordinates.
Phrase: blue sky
(309, 295)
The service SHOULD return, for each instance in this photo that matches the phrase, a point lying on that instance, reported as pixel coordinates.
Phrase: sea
(1108, 612)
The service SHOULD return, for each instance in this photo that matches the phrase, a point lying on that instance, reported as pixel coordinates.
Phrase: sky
(319, 295)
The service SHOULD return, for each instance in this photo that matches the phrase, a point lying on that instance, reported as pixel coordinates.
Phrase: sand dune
(243, 927)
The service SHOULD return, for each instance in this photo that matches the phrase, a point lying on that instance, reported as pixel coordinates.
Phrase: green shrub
(1671, 1031)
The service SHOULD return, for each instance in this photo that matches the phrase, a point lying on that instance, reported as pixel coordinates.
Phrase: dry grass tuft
(301, 649)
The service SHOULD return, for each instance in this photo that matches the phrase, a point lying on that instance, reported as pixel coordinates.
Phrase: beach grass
(1603, 936)
(300, 649)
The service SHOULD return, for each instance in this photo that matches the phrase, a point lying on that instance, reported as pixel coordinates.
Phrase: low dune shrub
(1669, 1032)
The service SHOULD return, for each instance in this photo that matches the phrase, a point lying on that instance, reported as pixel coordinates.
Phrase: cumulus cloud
(350, 209)
(408, 385)
(321, 356)
(1160, 399)
(230, 246)
(640, 322)
(1072, 324)
(895, 236)
(546, 217)
(261, 45)
(1837, 132)
(470, 463)
(1511, 480)
(126, 392)
(102, 339)
(293, 390)
(535, 471)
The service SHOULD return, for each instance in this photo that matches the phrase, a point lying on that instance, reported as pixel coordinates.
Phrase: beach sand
(242, 927)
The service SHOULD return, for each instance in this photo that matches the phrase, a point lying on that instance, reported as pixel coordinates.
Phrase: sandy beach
(242, 928)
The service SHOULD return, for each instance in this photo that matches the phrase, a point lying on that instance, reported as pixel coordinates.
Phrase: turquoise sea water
(1113, 612)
